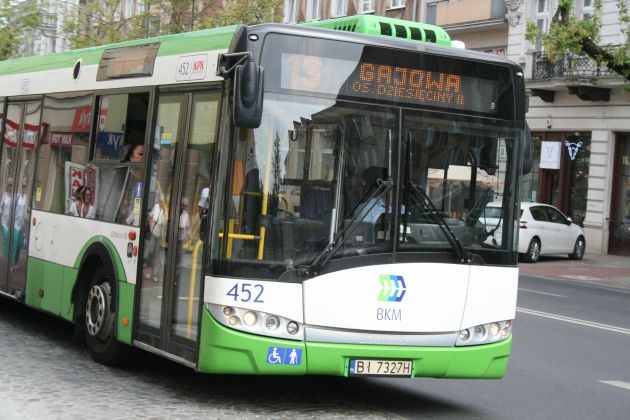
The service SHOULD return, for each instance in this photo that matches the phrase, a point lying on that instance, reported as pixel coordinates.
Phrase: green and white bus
(271, 199)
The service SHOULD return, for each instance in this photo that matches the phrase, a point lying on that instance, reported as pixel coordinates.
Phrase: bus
(270, 199)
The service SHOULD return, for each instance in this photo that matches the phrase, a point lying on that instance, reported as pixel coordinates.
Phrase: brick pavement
(608, 270)
(43, 377)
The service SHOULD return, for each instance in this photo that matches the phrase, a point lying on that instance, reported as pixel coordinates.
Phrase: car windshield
(326, 179)
(492, 213)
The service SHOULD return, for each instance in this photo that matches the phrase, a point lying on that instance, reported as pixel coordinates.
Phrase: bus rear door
(22, 131)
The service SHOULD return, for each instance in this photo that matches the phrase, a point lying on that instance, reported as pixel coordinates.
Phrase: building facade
(49, 37)
(579, 115)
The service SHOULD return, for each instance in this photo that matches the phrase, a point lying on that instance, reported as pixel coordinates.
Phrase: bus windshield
(356, 156)
(391, 180)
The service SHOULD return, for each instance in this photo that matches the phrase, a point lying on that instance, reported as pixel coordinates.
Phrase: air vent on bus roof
(384, 26)
(416, 34)
(401, 31)
(348, 26)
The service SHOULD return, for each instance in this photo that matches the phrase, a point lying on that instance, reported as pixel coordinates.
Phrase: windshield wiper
(369, 201)
(422, 199)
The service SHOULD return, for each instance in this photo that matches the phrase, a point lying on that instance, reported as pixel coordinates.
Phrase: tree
(246, 12)
(567, 33)
(100, 22)
(177, 16)
(15, 22)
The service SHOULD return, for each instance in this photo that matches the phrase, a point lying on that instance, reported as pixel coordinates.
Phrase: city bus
(270, 199)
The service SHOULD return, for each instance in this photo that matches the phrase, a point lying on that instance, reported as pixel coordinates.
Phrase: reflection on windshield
(307, 186)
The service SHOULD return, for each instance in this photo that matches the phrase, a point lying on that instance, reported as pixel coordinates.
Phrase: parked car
(544, 230)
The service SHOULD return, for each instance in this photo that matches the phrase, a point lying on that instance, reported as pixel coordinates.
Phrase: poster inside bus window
(390, 82)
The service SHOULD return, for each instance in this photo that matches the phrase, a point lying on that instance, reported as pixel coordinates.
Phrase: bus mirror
(248, 95)
(528, 152)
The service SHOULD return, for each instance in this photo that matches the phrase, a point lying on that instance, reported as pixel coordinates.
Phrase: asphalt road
(570, 360)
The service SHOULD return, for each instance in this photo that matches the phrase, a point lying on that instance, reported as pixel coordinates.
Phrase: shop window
(578, 150)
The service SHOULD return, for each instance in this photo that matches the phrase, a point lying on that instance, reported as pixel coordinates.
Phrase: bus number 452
(246, 292)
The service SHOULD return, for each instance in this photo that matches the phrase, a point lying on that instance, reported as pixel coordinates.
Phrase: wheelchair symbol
(275, 356)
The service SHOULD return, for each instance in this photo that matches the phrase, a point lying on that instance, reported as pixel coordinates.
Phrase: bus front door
(181, 165)
(22, 130)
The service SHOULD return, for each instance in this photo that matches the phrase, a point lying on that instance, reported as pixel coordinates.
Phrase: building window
(313, 8)
(393, 4)
(366, 6)
(431, 13)
(587, 9)
(290, 10)
(542, 19)
(127, 8)
(339, 7)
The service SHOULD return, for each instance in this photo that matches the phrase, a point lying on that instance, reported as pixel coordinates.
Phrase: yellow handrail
(191, 287)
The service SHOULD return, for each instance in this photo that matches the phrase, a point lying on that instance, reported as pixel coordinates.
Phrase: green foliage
(15, 23)
(567, 33)
(176, 16)
(100, 22)
(246, 12)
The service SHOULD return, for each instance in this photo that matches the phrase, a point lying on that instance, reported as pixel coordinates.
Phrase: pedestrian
(184, 222)
(18, 225)
(154, 252)
(5, 215)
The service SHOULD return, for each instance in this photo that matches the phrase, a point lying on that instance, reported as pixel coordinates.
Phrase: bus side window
(119, 156)
(62, 159)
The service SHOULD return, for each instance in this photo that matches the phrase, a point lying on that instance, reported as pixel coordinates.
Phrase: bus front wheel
(100, 321)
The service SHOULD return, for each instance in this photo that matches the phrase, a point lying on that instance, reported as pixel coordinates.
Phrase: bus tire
(99, 320)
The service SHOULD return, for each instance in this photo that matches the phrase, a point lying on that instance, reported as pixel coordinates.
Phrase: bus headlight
(484, 333)
(250, 318)
(256, 322)
(272, 323)
(292, 328)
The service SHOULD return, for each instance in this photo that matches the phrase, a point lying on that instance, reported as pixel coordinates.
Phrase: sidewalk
(609, 270)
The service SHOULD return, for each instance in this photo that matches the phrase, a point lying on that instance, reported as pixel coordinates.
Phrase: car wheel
(578, 249)
(533, 251)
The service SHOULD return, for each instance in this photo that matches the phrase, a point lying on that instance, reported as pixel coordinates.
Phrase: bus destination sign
(134, 61)
(392, 83)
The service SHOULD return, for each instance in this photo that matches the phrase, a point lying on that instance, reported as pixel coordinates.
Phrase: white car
(544, 230)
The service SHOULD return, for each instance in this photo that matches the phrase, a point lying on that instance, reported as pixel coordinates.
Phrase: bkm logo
(393, 288)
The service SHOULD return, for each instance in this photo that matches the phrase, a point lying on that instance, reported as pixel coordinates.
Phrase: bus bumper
(223, 350)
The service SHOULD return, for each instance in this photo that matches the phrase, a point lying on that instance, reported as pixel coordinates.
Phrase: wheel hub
(97, 311)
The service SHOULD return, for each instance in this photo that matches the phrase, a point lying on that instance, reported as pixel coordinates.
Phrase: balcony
(570, 66)
(580, 75)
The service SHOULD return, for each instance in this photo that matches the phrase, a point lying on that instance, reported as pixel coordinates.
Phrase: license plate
(371, 367)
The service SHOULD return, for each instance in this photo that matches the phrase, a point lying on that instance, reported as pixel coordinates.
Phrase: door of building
(619, 222)
(566, 188)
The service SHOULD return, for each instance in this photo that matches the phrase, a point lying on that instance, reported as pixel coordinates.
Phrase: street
(570, 360)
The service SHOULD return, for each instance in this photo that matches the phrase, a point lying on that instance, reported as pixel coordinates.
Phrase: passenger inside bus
(135, 153)
(133, 190)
